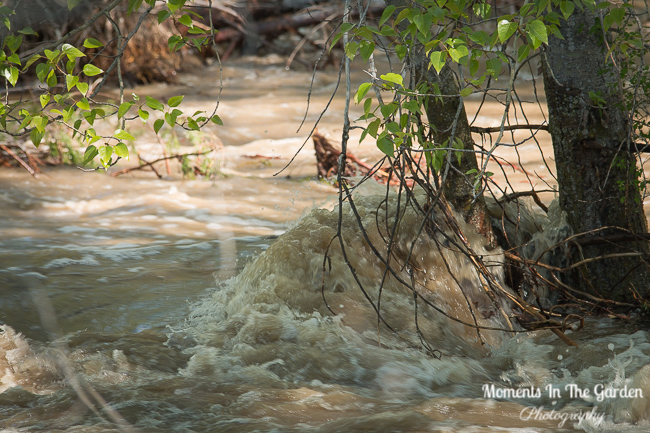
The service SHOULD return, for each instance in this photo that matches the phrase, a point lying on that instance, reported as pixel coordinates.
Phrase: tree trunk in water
(448, 118)
(448, 121)
(596, 172)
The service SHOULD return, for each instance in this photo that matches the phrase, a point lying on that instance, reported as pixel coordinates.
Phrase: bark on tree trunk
(445, 118)
(596, 172)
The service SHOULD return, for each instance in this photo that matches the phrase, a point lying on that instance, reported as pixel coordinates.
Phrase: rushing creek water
(178, 305)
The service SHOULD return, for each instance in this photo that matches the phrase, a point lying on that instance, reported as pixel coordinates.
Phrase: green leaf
(363, 89)
(83, 88)
(121, 134)
(388, 110)
(71, 81)
(158, 124)
(367, 105)
(90, 154)
(91, 70)
(172, 116)
(163, 15)
(14, 59)
(144, 115)
(51, 55)
(11, 74)
(39, 122)
(373, 128)
(175, 43)
(44, 99)
(76, 126)
(494, 67)
(473, 67)
(466, 92)
(385, 144)
(31, 60)
(154, 104)
(105, 153)
(191, 123)
(401, 51)
(345, 27)
(121, 150)
(458, 53)
(351, 49)
(366, 50)
(175, 101)
(393, 78)
(42, 70)
(67, 113)
(28, 31)
(216, 119)
(51, 79)
(617, 14)
(386, 14)
(83, 104)
(71, 52)
(537, 29)
(72, 4)
(124, 108)
(522, 53)
(36, 136)
(133, 6)
(506, 29)
(186, 20)
(90, 116)
(438, 60)
(482, 10)
(92, 43)
(70, 65)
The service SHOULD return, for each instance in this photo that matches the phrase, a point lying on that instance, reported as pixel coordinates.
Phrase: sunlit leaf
(91, 70)
(144, 115)
(44, 99)
(121, 134)
(191, 123)
(186, 20)
(363, 89)
(121, 150)
(393, 78)
(124, 108)
(82, 87)
(175, 101)
(71, 81)
(71, 52)
(92, 43)
(154, 104)
(438, 59)
(537, 29)
(506, 29)
(83, 104)
(105, 153)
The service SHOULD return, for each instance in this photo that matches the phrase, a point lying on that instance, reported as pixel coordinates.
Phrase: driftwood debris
(327, 162)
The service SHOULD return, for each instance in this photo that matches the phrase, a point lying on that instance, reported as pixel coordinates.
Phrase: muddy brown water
(193, 305)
